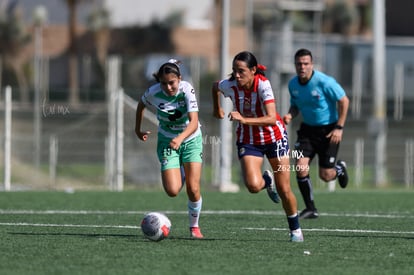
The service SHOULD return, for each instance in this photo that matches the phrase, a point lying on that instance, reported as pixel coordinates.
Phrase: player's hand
(236, 116)
(219, 113)
(287, 118)
(335, 136)
(175, 143)
(143, 135)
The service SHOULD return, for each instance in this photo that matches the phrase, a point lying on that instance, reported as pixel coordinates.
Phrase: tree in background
(13, 40)
(341, 16)
(98, 22)
(74, 97)
(72, 52)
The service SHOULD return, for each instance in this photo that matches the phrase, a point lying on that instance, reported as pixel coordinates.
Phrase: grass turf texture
(358, 232)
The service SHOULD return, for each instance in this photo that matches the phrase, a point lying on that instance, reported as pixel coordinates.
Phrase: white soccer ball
(155, 226)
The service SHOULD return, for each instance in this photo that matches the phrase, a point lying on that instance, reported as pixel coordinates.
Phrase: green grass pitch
(358, 232)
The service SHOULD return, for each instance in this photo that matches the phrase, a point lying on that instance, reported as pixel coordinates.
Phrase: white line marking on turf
(334, 230)
(243, 228)
(68, 225)
(205, 212)
(109, 212)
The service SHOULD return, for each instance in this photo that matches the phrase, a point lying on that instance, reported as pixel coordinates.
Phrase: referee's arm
(292, 113)
(343, 105)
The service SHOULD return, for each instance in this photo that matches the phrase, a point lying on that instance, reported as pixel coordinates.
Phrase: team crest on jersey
(295, 93)
(315, 93)
(181, 103)
(247, 103)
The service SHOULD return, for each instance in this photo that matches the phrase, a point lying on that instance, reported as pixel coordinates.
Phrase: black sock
(293, 222)
(305, 187)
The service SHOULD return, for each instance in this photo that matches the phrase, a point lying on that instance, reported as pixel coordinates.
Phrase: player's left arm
(192, 113)
(336, 134)
(192, 126)
(343, 105)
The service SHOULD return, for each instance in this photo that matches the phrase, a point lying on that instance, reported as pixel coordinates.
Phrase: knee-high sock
(305, 187)
(194, 209)
(293, 222)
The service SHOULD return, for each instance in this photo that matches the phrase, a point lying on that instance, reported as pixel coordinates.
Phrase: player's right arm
(218, 111)
(138, 120)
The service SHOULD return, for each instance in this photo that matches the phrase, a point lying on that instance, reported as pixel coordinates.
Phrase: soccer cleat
(296, 236)
(196, 233)
(271, 186)
(343, 175)
(309, 214)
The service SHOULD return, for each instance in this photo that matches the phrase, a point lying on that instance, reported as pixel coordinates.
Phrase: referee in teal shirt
(324, 107)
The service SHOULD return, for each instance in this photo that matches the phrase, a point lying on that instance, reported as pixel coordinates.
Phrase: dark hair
(251, 62)
(303, 52)
(170, 67)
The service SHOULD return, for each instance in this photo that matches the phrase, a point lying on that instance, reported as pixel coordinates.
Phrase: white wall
(142, 12)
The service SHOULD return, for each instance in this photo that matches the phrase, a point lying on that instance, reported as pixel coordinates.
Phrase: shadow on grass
(89, 235)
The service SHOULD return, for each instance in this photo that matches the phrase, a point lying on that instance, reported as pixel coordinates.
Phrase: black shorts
(312, 141)
(277, 149)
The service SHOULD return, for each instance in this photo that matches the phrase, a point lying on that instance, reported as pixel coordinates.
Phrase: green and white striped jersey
(172, 111)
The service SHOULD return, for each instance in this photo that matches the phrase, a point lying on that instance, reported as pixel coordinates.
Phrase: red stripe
(259, 109)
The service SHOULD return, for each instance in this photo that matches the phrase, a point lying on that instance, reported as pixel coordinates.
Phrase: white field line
(334, 230)
(243, 228)
(210, 212)
(67, 225)
(400, 215)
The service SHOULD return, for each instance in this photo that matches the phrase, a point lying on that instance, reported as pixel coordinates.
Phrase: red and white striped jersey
(252, 104)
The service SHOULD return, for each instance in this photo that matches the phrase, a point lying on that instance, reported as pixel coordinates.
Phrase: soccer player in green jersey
(179, 136)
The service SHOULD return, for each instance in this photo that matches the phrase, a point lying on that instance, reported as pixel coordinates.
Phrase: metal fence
(74, 144)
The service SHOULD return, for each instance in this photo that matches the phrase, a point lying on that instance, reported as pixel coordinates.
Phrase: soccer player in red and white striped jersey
(260, 131)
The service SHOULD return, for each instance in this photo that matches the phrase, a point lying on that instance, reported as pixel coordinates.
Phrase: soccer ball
(155, 226)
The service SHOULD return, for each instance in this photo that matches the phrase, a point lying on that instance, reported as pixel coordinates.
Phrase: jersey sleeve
(266, 92)
(291, 88)
(190, 97)
(146, 98)
(334, 90)
(225, 87)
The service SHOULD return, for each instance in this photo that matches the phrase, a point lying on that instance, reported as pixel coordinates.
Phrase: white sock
(194, 209)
